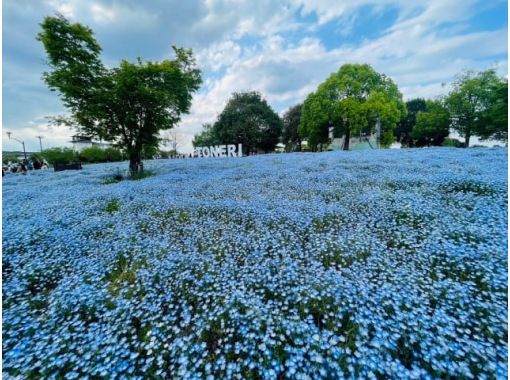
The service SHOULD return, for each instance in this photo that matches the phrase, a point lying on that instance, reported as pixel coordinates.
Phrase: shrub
(53, 155)
(93, 154)
(7, 158)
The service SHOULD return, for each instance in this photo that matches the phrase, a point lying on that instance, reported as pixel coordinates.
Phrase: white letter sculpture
(219, 151)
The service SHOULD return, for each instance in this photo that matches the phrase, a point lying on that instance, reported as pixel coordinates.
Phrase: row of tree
(354, 98)
(131, 104)
(477, 105)
(353, 101)
(349, 102)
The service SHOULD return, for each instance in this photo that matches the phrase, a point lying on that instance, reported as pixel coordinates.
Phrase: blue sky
(282, 48)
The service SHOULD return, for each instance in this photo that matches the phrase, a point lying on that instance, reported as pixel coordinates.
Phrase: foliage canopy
(351, 101)
(128, 104)
(478, 105)
(247, 119)
(432, 125)
(406, 124)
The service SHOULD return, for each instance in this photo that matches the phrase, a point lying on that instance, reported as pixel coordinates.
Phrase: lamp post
(22, 143)
(40, 143)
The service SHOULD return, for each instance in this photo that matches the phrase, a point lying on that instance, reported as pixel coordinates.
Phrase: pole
(24, 151)
(40, 141)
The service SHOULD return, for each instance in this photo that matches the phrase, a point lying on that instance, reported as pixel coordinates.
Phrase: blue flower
(337, 265)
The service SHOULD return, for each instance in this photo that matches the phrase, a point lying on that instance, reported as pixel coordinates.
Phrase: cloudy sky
(282, 48)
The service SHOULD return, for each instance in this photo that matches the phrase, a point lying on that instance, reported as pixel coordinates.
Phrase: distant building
(81, 142)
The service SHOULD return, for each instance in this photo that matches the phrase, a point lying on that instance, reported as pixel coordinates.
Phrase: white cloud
(103, 14)
(327, 10)
(410, 12)
(219, 55)
(412, 52)
(63, 7)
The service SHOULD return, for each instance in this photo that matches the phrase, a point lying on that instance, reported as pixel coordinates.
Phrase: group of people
(23, 166)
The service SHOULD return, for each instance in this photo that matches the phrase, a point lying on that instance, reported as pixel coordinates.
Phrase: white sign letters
(219, 151)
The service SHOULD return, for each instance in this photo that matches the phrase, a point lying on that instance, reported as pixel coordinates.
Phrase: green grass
(111, 180)
(112, 206)
(141, 175)
(123, 275)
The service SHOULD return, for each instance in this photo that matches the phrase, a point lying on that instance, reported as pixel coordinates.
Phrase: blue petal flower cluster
(379, 264)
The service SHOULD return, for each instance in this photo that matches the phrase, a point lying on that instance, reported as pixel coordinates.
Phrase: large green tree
(494, 119)
(249, 120)
(128, 104)
(351, 101)
(315, 120)
(478, 105)
(432, 125)
(407, 123)
(290, 135)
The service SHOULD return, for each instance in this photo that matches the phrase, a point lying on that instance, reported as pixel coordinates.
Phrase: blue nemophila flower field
(380, 264)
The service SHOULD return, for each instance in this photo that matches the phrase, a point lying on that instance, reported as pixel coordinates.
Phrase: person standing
(23, 167)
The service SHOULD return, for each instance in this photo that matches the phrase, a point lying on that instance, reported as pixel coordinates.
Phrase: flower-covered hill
(379, 264)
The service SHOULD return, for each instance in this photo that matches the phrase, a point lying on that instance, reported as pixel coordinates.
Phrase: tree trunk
(134, 163)
(468, 136)
(347, 139)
